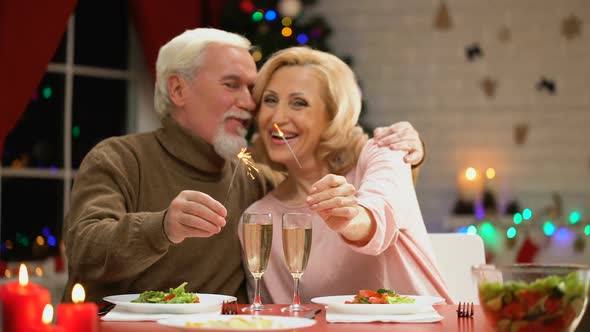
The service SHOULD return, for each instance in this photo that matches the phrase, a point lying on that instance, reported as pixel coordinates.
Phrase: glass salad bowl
(533, 297)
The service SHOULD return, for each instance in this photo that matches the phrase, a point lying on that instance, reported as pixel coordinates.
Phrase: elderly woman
(368, 231)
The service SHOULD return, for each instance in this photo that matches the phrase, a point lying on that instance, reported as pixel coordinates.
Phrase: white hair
(181, 56)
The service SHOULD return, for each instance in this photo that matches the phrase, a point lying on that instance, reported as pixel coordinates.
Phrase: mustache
(242, 115)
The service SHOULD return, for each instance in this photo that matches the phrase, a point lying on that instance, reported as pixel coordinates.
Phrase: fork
(229, 307)
(465, 309)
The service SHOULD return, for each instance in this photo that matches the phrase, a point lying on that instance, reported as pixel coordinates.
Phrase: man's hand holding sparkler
(196, 214)
(193, 214)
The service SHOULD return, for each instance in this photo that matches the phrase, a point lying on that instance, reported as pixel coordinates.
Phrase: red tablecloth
(477, 323)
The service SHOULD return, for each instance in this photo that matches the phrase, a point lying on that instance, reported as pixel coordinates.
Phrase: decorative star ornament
(489, 86)
(504, 34)
(473, 52)
(442, 20)
(547, 85)
(571, 27)
(521, 131)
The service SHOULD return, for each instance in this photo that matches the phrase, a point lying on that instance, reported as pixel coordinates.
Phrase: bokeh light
(487, 229)
(257, 55)
(564, 236)
(286, 32)
(575, 217)
(47, 92)
(247, 6)
(490, 173)
(470, 173)
(302, 38)
(517, 218)
(548, 228)
(286, 21)
(270, 15)
(257, 16)
(511, 232)
(527, 214)
(472, 230)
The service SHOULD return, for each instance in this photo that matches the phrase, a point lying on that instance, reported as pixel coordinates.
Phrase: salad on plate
(381, 296)
(174, 295)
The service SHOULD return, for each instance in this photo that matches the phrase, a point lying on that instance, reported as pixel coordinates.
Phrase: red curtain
(159, 21)
(30, 32)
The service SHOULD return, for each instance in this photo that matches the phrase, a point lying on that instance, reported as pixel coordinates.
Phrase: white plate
(209, 303)
(336, 304)
(277, 322)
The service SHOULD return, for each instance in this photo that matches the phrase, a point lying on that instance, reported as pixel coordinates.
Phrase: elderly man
(146, 211)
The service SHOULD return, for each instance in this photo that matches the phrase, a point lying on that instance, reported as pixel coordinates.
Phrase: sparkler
(289, 146)
(246, 159)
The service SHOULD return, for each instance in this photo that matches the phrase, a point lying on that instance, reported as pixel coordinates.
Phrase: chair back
(455, 253)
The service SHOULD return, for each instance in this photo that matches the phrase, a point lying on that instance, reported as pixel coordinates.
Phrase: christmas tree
(272, 25)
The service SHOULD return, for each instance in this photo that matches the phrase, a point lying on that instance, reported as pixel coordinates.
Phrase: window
(82, 99)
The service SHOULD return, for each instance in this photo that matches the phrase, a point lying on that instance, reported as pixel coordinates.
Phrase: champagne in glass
(296, 248)
(257, 241)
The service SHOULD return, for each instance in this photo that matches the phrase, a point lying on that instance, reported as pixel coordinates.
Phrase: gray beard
(228, 146)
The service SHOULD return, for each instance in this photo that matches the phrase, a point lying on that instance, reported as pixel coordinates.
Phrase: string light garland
(560, 230)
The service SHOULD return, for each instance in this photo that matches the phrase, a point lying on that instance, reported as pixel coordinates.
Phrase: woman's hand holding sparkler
(193, 214)
(333, 198)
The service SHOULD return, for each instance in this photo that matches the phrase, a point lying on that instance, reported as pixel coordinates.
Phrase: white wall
(410, 71)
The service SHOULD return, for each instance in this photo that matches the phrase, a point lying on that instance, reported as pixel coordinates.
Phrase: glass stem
(296, 300)
(257, 301)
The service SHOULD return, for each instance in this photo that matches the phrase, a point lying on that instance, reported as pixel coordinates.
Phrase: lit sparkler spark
(246, 159)
(288, 146)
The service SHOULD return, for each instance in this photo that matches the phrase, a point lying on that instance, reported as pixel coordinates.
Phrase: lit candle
(78, 316)
(469, 184)
(22, 303)
(47, 318)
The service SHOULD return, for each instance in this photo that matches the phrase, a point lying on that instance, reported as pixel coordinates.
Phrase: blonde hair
(341, 143)
(182, 55)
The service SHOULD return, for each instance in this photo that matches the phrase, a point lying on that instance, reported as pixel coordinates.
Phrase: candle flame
(7, 273)
(490, 173)
(279, 130)
(470, 174)
(23, 275)
(78, 294)
(47, 314)
(246, 158)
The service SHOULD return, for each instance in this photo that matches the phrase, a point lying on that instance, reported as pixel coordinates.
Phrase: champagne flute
(296, 248)
(257, 241)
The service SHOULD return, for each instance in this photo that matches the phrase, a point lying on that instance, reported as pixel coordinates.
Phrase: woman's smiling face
(293, 99)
